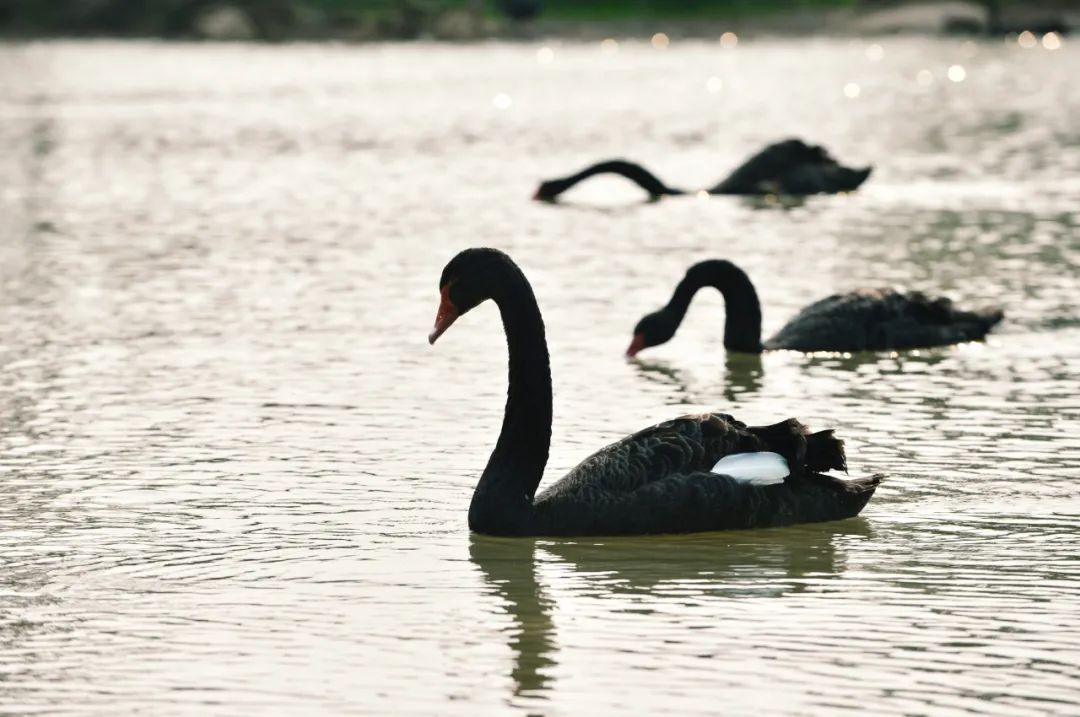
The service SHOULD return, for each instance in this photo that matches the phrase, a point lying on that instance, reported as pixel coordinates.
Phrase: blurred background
(471, 19)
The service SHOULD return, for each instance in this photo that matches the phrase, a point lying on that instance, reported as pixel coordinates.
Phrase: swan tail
(990, 316)
(838, 498)
(788, 438)
(860, 175)
(974, 325)
(810, 456)
(867, 484)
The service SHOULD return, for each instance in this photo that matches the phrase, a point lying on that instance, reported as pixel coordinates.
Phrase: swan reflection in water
(743, 375)
(774, 201)
(724, 565)
(894, 363)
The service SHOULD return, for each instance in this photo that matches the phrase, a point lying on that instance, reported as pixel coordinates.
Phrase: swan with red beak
(692, 473)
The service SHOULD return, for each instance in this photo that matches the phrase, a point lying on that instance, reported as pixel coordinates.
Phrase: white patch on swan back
(762, 468)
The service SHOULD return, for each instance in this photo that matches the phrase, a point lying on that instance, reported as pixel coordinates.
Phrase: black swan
(791, 167)
(861, 320)
(694, 473)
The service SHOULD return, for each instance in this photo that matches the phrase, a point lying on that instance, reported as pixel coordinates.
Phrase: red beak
(636, 345)
(536, 196)
(446, 315)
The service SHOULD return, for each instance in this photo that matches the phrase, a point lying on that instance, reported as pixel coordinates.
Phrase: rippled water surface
(234, 477)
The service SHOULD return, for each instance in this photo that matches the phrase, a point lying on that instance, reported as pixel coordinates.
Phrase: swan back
(792, 167)
(703, 472)
(881, 319)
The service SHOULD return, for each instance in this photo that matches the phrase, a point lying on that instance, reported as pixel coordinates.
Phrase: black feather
(658, 481)
(882, 319)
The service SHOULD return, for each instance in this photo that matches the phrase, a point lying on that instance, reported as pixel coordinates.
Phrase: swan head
(469, 279)
(653, 329)
(550, 190)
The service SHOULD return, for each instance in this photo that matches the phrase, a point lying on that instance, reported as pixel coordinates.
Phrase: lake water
(234, 477)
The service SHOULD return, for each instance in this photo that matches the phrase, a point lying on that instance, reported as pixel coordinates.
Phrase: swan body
(694, 473)
(861, 320)
(671, 478)
(880, 319)
(791, 167)
(795, 168)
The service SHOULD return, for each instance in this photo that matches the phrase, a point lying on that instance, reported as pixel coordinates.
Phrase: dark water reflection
(742, 374)
(740, 564)
(234, 477)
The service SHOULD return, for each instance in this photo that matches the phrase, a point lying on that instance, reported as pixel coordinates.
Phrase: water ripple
(233, 476)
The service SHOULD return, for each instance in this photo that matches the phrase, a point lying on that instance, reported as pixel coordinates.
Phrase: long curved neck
(634, 172)
(502, 501)
(742, 323)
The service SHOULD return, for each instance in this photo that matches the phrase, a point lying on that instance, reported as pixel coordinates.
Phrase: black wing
(881, 319)
(659, 481)
(792, 167)
(682, 445)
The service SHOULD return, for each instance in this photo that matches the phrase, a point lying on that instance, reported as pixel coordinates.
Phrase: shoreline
(234, 22)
